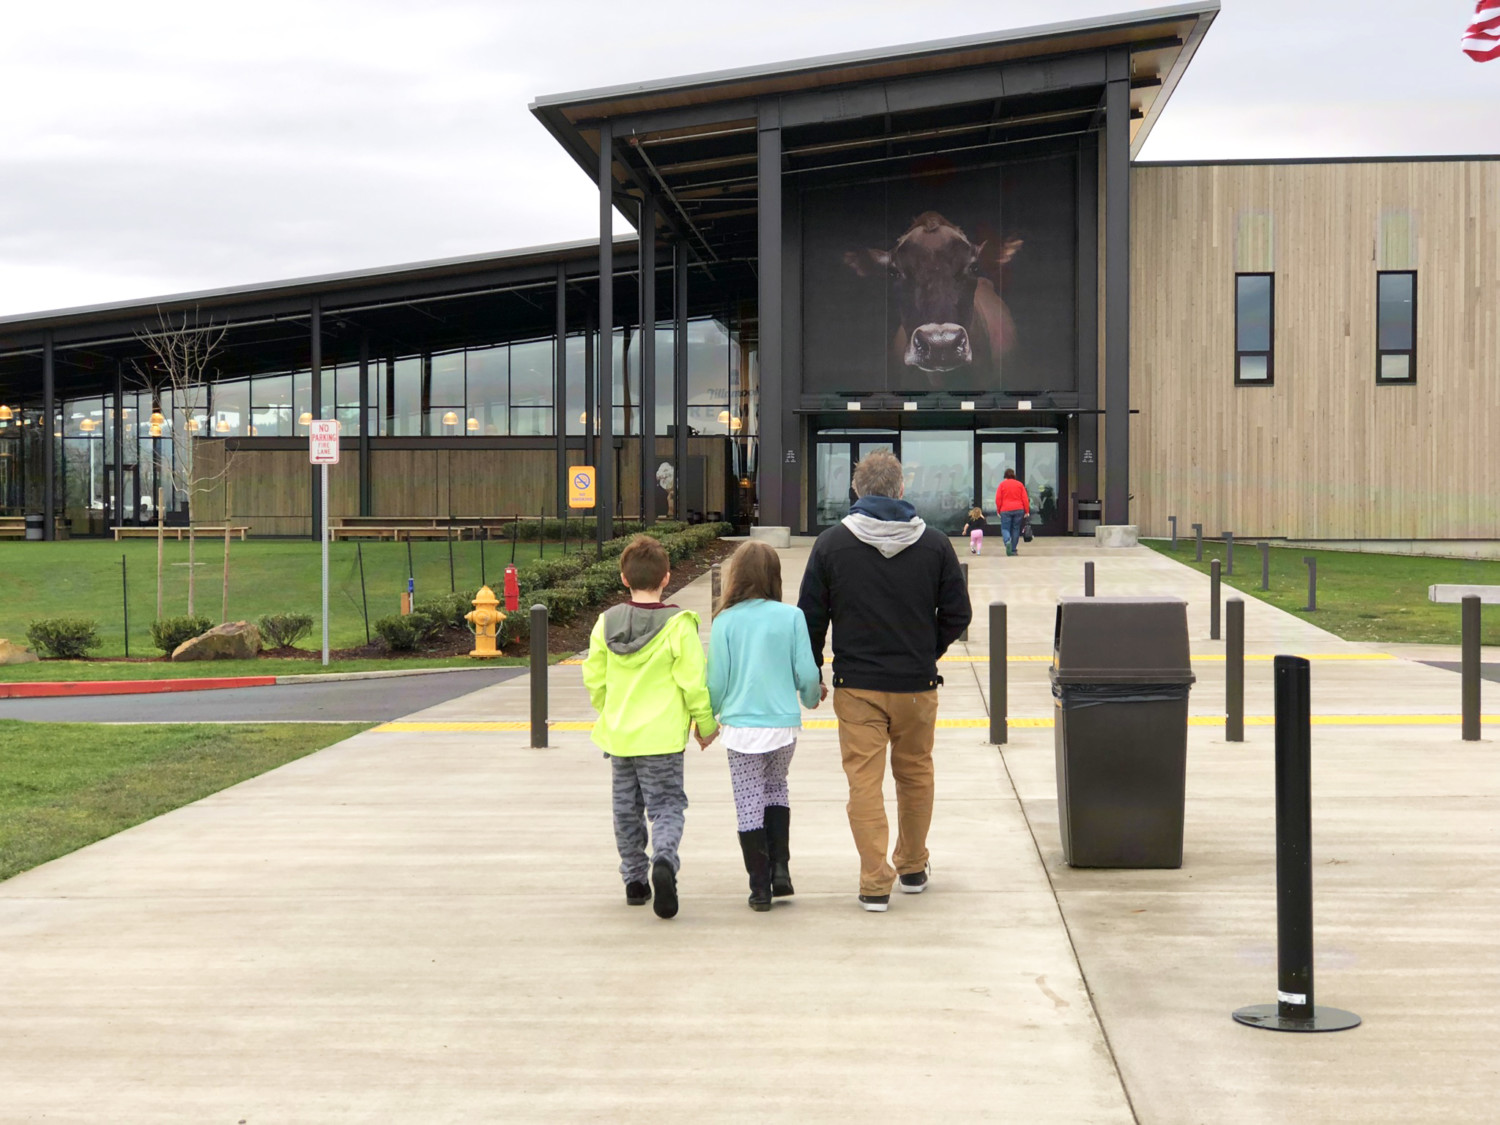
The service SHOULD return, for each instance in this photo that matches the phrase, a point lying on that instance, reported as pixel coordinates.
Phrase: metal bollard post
(1265, 565)
(964, 567)
(1213, 600)
(999, 672)
(1229, 553)
(1173, 521)
(1312, 582)
(1471, 667)
(1234, 673)
(1294, 1009)
(1088, 579)
(714, 590)
(1198, 531)
(538, 677)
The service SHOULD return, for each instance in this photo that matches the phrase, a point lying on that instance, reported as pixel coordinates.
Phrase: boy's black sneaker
(637, 893)
(664, 879)
(877, 903)
(916, 882)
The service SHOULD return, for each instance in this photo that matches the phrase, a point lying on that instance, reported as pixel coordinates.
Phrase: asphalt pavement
(338, 701)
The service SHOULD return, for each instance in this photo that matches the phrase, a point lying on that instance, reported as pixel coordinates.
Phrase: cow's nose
(939, 347)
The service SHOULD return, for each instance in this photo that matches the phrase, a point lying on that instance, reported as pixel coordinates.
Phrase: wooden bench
(365, 531)
(201, 532)
(12, 527)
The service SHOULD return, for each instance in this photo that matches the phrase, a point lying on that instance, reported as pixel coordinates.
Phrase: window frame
(1270, 352)
(1411, 352)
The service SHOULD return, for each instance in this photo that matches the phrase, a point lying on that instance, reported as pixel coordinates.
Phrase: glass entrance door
(939, 468)
(1037, 462)
(836, 456)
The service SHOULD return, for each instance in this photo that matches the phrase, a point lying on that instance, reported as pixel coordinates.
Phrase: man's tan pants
(868, 722)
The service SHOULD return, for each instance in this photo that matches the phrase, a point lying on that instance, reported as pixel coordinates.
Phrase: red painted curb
(129, 687)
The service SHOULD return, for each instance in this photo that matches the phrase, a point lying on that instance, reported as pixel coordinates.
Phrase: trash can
(1120, 679)
(1090, 515)
(35, 526)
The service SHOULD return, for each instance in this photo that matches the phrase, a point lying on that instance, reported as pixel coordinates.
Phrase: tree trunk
(192, 554)
(228, 520)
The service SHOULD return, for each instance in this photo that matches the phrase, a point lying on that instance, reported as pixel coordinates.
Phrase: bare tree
(181, 351)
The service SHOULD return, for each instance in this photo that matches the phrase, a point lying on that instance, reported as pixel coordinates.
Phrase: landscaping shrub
(563, 603)
(169, 632)
(447, 609)
(283, 629)
(64, 638)
(404, 633)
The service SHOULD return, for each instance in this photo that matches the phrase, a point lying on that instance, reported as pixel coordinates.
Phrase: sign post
(323, 450)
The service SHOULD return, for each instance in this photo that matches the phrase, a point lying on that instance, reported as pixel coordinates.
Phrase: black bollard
(1173, 521)
(125, 600)
(1265, 565)
(1088, 579)
(999, 684)
(538, 677)
(1471, 667)
(1234, 672)
(1312, 582)
(1229, 553)
(1213, 600)
(964, 568)
(714, 590)
(1198, 531)
(452, 583)
(1294, 1009)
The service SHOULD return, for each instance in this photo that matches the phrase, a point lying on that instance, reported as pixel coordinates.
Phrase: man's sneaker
(637, 893)
(916, 882)
(877, 903)
(665, 881)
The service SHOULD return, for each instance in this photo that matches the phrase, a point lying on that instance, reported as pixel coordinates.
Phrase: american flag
(1482, 40)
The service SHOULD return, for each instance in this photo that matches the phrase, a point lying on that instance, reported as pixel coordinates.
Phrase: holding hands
(704, 743)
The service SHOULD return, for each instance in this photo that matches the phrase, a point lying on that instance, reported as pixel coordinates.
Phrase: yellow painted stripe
(1202, 656)
(572, 660)
(967, 724)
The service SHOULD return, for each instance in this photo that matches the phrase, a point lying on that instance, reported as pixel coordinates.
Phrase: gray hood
(628, 628)
(889, 537)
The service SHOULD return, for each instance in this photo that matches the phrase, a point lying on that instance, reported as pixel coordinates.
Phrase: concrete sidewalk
(426, 925)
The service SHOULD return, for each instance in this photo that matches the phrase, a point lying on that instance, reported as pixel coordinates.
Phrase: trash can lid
(1139, 639)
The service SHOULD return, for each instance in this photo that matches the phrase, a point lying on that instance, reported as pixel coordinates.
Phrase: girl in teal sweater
(760, 663)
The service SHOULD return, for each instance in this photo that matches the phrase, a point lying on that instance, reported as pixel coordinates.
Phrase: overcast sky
(162, 146)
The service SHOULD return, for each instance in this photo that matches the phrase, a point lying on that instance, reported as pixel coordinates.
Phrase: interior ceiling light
(156, 429)
(88, 425)
(156, 417)
(583, 417)
(304, 418)
(222, 425)
(192, 425)
(735, 423)
(6, 413)
(450, 419)
(723, 417)
(473, 425)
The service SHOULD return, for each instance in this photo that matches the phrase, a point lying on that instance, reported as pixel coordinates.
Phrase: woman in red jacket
(1014, 505)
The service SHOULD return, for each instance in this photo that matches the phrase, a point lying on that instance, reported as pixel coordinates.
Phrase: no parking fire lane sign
(323, 441)
(581, 486)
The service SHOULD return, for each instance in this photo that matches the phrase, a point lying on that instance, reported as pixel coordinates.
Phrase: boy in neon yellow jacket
(647, 678)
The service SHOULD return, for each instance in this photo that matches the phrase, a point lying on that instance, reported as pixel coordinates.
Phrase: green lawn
(1361, 597)
(62, 670)
(83, 578)
(65, 785)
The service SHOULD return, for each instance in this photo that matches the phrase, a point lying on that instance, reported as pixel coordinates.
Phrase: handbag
(1026, 535)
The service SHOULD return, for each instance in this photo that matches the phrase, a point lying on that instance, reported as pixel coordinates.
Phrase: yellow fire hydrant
(485, 620)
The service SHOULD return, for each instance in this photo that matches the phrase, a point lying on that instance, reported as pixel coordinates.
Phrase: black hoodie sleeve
(812, 600)
(953, 609)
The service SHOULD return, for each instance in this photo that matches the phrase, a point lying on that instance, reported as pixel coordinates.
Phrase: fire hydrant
(485, 620)
(512, 589)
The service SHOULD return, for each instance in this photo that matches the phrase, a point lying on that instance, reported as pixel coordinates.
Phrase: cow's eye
(896, 271)
(972, 269)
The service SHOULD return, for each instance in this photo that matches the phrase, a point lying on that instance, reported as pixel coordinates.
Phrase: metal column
(777, 462)
(1117, 289)
(679, 377)
(49, 441)
(605, 470)
(315, 332)
(560, 393)
(646, 258)
(365, 499)
(116, 513)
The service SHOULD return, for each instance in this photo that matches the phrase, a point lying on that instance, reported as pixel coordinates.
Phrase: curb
(54, 688)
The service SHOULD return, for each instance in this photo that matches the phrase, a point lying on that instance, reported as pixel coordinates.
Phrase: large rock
(1117, 535)
(16, 654)
(778, 537)
(234, 640)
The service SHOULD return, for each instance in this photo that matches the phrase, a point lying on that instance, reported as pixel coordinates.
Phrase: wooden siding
(1325, 453)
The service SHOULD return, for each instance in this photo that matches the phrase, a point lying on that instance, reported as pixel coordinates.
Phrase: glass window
(231, 408)
(1254, 327)
(301, 400)
(939, 469)
(404, 397)
(665, 339)
(329, 401)
(531, 388)
(347, 396)
(271, 407)
(1396, 326)
(489, 389)
(577, 383)
(447, 385)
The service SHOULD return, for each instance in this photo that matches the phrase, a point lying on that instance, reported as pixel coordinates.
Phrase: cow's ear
(868, 263)
(1007, 251)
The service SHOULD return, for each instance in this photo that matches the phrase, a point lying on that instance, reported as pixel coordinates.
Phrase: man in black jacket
(891, 587)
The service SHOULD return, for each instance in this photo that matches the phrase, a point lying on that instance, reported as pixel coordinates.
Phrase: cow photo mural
(946, 278)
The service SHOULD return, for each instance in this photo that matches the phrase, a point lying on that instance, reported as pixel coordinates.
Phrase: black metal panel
(1088, 316)
(1117, 291)
(49, 443)
(605, 479)
(777, 459)
(679, 376)
(560, 390)
(646, 256)
(315, 362)
(366, 503)
(115, 513)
